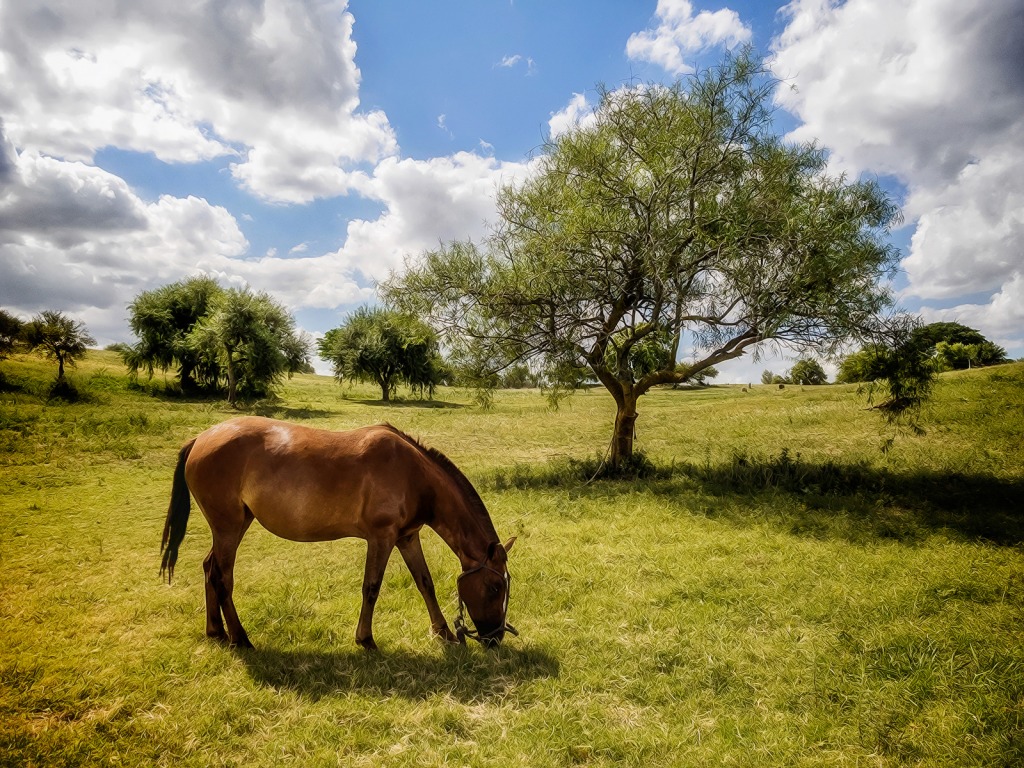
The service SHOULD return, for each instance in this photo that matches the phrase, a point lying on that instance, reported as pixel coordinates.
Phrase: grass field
(778, 593)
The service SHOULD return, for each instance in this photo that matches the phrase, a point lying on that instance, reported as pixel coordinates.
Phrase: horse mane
(449, 468)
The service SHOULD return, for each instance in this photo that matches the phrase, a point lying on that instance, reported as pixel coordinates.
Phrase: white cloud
(932, 93)
(427, 202)
(273, 84)
(508, 62)
(679, 33)
(577, 113)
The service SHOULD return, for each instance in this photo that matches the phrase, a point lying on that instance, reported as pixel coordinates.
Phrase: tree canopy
(807, 370)
(162, 319)
(59, 337)
(384, 347)
(955, 346)
(673, 232)
(10, 331)
(254, 340)
(215, 337)
(942, 346)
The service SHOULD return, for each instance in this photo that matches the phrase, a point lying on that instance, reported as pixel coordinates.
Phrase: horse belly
(303, 516)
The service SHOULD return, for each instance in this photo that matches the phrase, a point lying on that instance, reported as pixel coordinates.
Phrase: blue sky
(306, 148)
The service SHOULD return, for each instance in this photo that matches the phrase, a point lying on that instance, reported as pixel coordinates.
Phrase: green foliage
(386, 348)
(703, 376)
(768, 377)
(675, 225)
(807, 371)
(954, 356)
(58, 337)
(519, 376)
(211, 335)
(10, 331)
(929, 336)
(162, 319)
(253, 339)
(865, 365)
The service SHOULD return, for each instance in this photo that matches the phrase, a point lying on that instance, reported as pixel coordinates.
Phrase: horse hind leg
(214, 587)
(377, 553)
(220, 585)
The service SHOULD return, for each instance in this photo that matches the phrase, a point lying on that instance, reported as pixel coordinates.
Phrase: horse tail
(177, 515)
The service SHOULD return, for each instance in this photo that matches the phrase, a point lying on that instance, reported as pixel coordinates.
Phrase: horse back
(310, 484)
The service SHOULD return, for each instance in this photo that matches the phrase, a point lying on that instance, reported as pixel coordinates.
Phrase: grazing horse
(306, 484)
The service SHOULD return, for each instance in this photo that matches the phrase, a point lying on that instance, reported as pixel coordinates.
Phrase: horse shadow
(467, 674)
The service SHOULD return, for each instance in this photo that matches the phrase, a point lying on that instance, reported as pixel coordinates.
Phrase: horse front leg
(412, 553)
(377, 553)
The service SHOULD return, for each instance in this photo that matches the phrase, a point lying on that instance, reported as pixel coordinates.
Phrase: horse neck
(463, 525)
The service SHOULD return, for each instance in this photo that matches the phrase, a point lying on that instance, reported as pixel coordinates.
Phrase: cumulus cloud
(930, 92)
(578, 112)
(426, 202)
(273, 84)
(89, 244)
(679, 33)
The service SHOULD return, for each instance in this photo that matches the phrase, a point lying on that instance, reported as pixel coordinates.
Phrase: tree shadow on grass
(467, 674)
(411, 403)
(855, 502)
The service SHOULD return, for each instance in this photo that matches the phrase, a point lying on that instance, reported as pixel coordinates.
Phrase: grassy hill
(778, 591)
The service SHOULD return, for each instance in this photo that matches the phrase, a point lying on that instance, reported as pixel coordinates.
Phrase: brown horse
(306, 484)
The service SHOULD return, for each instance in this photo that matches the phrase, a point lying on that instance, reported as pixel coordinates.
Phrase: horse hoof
(367, 644)
(242, 642)
(447, 636)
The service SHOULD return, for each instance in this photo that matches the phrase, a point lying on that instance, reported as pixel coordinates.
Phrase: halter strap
(463, 631)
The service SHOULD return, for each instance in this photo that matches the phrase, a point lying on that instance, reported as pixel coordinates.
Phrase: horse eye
(495, 589)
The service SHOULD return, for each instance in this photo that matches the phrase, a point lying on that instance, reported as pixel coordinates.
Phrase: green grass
(778, 592)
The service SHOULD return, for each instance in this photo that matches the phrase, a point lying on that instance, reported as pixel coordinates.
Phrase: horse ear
(509, 543)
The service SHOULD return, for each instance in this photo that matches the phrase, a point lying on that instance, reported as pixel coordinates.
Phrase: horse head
(484, 591)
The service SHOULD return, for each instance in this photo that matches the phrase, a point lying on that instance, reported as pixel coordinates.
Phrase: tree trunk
(622, 438)
(232, 381)
(60, 366)
(385, 390)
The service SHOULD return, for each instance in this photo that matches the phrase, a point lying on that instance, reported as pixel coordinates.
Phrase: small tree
(59, 337)
(386, 348)
(702, 377)
(10, 330)
(255, 340)
(807, 371)
(864, 365)
(769, 377)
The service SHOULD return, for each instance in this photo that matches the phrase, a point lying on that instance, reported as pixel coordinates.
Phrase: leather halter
(462, 631)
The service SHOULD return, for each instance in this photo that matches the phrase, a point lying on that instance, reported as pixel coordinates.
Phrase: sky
(307, 148)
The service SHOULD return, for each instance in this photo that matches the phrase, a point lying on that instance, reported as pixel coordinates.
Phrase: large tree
(162, 319)
(384, 347)
(59, 337)
(954, 345)
(254, 339)
(675, 227)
